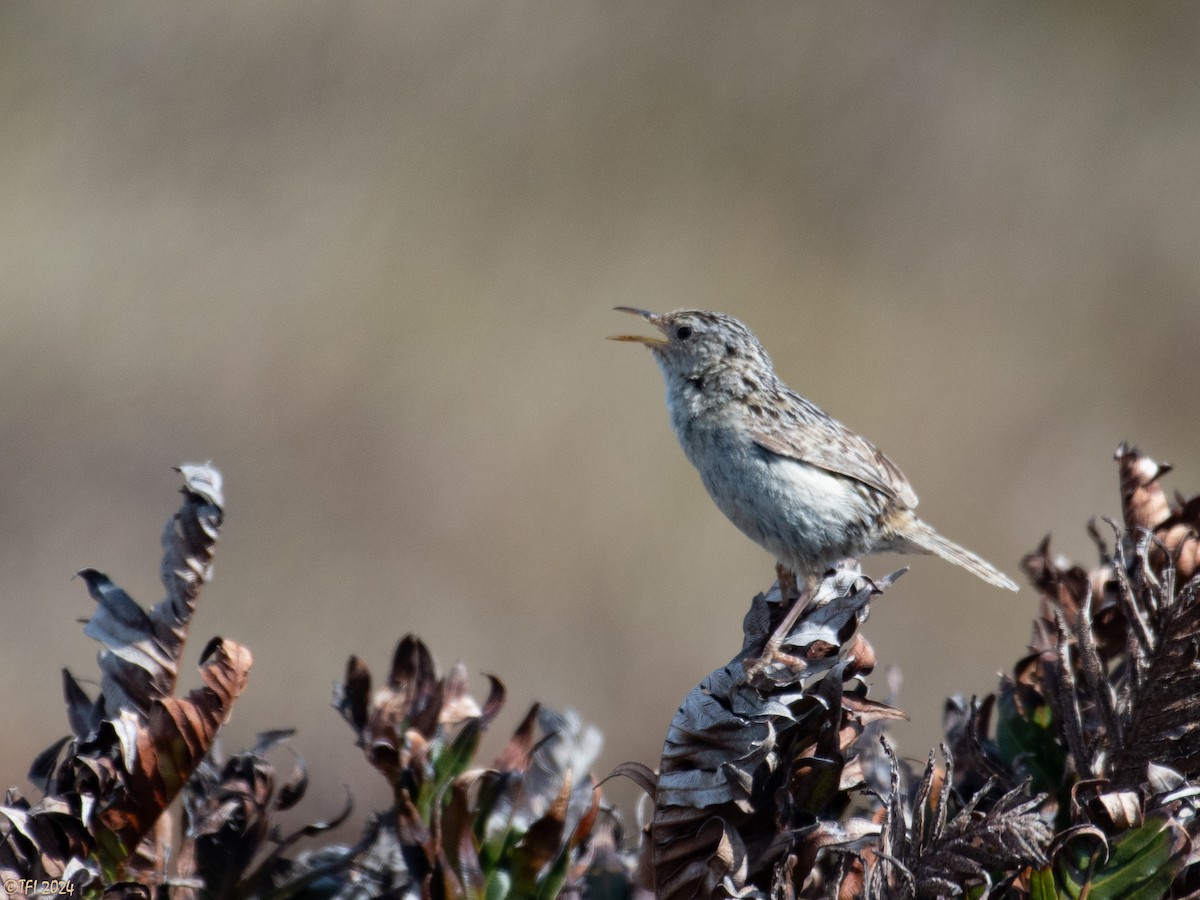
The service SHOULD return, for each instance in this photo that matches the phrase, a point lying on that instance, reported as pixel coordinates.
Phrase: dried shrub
(1079, 777)
(757, 768)
(134, 746)
(517, 828)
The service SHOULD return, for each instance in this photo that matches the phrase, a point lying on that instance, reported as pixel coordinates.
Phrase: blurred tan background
(363, 256)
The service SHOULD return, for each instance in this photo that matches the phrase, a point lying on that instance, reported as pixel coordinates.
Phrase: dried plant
(1086, 785)
(760, 779)
(109, 784)
(989, 838)
(757, 771)
(518, 828)
(1079, 777)
(230, 847)
(1102, 713)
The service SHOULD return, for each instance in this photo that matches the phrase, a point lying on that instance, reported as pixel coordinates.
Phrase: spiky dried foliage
(991, 838)
(782, 786)
(518, 828)
(109, 784)
(757, 769)
(1102, 713)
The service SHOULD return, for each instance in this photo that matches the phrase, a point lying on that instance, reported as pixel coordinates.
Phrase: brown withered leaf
(1065, 588)
(454, 828)
(397, 724)
(1108, 693)
(1117, 646)
(231, 822)
(82, 712)
(752, 772)
(294, 787)
(1063, 584)
(457, 840)
(1180, 537)
(151, 765)
(939, 854)
(515, 755)
(414, 693)
(698, 862)
(568, 749)
(1164, 726)
(457, 703)
(966, 726)
(135, 745)
(640, 774)
(549, 802)
(231, 846)
(1143, 502)
(541, 842)
(141, 650)
(355, 696)
(46, 764)
(43, 840)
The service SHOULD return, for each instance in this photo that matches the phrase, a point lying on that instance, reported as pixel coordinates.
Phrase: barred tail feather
(924, 539)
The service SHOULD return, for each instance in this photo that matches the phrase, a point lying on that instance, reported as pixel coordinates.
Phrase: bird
(793, 479)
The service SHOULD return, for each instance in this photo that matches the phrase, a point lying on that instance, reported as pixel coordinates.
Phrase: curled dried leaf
(1143, 502)
(414, 717)
(165, 749)
(751, 769)
(942, 855)
(141, 650)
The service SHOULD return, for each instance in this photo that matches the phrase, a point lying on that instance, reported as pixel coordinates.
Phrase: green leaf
(1141, 865)
(495, 859)
(551, 884)
(539, 849)
(496, 852)
(1042, 886)
(498, 886)
(1030, 742)
(457, 757)
(449, 761)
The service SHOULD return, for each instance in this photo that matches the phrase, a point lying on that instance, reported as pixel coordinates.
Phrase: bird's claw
(772, 655)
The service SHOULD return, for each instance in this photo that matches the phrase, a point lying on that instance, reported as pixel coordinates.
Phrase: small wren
(794, 480)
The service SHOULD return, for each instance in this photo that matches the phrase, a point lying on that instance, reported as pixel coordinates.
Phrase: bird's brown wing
(827, 444)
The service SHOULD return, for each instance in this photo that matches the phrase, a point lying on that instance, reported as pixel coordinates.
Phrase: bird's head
(696, 343)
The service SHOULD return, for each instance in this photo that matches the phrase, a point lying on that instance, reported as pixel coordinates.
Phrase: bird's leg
(789, 590)
(801, 597)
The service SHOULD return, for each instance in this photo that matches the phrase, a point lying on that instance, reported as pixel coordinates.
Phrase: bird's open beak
(648, 340)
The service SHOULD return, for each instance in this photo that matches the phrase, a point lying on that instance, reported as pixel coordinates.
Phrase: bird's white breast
(806, 516)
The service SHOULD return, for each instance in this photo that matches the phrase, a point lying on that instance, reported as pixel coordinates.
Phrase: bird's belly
(807, 517)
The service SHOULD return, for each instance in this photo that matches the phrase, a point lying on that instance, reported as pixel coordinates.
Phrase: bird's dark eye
(683, 332)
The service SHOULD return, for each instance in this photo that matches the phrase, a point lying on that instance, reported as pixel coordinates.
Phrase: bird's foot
(772, 653)
(771, 656)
